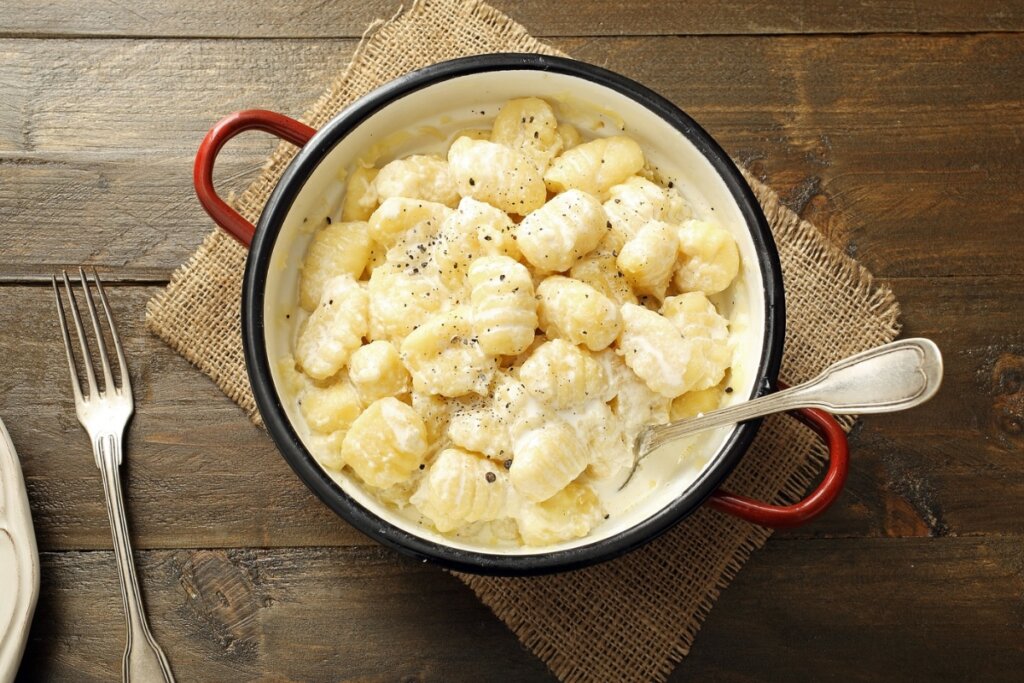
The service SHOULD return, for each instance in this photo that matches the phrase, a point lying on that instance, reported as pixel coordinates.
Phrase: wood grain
(868, 609)
(894, 126)
(312, 18)
(354, 614)
(886, 153)
(199, 475)
(958, 456)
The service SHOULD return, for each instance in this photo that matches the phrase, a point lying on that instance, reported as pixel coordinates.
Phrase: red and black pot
(464, 92)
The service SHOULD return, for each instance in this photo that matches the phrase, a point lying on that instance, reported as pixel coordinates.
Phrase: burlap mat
(631, 619)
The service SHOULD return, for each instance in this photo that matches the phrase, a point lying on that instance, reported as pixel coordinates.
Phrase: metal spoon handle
(891, 377)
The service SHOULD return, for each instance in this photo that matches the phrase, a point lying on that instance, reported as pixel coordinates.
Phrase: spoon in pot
(887, 378)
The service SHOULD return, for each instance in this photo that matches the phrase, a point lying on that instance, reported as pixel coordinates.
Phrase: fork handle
(894, 376)
(144, 661)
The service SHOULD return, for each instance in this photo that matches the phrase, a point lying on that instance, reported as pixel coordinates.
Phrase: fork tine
(67, 343)
(86, 358)
(108, 377)
(122, 364)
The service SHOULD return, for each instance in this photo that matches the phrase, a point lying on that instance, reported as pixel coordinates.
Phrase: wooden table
(895, 126)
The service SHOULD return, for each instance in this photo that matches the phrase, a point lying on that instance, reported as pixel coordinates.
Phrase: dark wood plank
(198, 474)
(842, 609)
(138, 215)
(904, 148)
(952, 466)
(310, 18)
(868, 610)
(148, 96)
(878, 148)
(282, 615)
(887, 153)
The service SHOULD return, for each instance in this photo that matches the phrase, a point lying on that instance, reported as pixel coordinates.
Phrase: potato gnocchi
(480, 337)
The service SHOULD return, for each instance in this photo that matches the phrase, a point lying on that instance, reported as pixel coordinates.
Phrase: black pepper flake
(490, 477)
(508, 464)
(422, 466)
(608, 224)
(728, 390)
(671, 184)
(328, 220)
(472, 182)
(487, 237)
(536, 134)
(607, 516)
(502, 277)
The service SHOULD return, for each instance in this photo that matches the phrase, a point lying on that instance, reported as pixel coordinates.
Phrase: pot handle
(228, 127)
(816, 502)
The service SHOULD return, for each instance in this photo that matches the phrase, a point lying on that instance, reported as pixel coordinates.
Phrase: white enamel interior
(423, 121)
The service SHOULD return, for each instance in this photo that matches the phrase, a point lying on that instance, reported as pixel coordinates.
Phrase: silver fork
(105, 414)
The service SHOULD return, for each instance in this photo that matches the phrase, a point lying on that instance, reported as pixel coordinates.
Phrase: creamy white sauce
(678, 462)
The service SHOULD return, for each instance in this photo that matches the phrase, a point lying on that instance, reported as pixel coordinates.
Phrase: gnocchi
(504, 307)
(649, 258)
(708, 258)
(558, 234)
(562, 375)
(462, 487)
(481, 336)
(376, 371)
(528, 125)
(577, 312)
(496, 174)
(360, 194)
(417, 177)
(444, 357)
(335, 329)
(339, 249)
(546, 460)
(386, 443)
(595, 166)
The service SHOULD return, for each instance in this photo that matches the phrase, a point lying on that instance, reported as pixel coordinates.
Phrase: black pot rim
(299, 458)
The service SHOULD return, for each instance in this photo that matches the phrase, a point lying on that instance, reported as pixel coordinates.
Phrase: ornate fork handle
(887, 378)
(144, 661)
(104, 413)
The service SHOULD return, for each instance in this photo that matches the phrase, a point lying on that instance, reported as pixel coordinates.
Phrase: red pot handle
(228, 127)
(816, 502)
